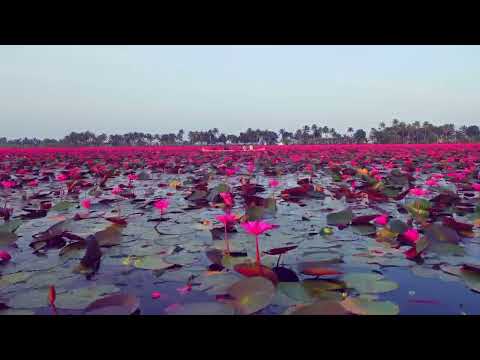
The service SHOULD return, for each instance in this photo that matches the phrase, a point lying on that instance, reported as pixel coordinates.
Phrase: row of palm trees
(397, 132)
(400, 132)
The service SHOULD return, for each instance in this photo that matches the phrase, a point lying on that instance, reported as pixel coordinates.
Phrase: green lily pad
(252, 294)
(62, 206)
(369, 283)
(321, 308)
(366, 307)
(364, 229)
(151, 262)
(80, 298)
(343, 217)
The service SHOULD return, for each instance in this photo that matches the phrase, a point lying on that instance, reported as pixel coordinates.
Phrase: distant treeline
(398, 132)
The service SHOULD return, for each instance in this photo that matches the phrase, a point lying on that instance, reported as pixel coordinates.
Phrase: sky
(49, 91)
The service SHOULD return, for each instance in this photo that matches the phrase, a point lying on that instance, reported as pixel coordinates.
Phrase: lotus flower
(61, 177)
(85, 203)
(117, 190)
(476, 187)
(431, 182)
(273, 183)
(251, 167)
(132, 177)
(8, 184)
(418, 191)
(381, 220)
(256, 228)
(230, 172)
(156, 294)
(411, 235)
(4, 256)
(184, 289)
(162, 205)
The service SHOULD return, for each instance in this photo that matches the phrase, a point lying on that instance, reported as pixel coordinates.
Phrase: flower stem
(227, 245)
(258, 250)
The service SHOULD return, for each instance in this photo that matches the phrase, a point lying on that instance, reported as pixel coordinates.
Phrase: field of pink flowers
(321, 229)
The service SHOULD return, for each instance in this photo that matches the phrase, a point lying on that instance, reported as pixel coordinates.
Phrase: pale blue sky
(48, 91)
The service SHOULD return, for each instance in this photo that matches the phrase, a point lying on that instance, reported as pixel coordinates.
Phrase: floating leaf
(369, 283)
(252, 294)
(62, 206)
(321, 308)
(343, 217)
(151, 262)
(366, 307)
(115, 304)
(440, 233)
(80, 298)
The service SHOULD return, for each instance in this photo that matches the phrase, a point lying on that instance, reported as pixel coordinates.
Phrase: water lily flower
(381, 220)
(8, 184)
(162, 205)
(4, 256)
(418, 191)
(431, 182)
(251, 167)
(257, 228)
(156, 294)
(132, 177)
(61, 177)
(230, 172)
(85, 203)
(117, 190)
(476, 187)
(273, 183)
(411, 235)
(226, 219)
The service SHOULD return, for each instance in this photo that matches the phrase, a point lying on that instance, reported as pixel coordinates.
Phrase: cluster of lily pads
(301, 230)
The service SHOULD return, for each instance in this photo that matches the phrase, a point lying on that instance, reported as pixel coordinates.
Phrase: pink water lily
(156, 295)
(61, 177)
(273, 183)
(226, 219)
(431, 182)
(116, 190)
(162, 205)
(251, 167)
(476, 187)
(381, 220)
(132, 177)
(411, 235)
(230, 172)
(4, 256)
(8, 184)
(418, 191)
(85, 203)
(257, 228)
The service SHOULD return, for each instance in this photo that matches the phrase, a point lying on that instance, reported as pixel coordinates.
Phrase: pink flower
(378, 178)
(418, 191)
(411, 235)
(116, 190)
(227, 198)
(85, 203)
(156, 294)
(184, 289)
(61, 177)
(251, 167)
(162, 204)
(226, 218)
(8, 184)
(4, 256)
(431, 182)
(132, 177)
(273, 183)
(230, 172)
(257, 227)
(381, 220)
(33, 183)
(476, 187)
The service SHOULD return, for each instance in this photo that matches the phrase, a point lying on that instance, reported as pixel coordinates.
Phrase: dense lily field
(297, 230)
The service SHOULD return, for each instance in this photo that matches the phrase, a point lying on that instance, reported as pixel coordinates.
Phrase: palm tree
(350, 131)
